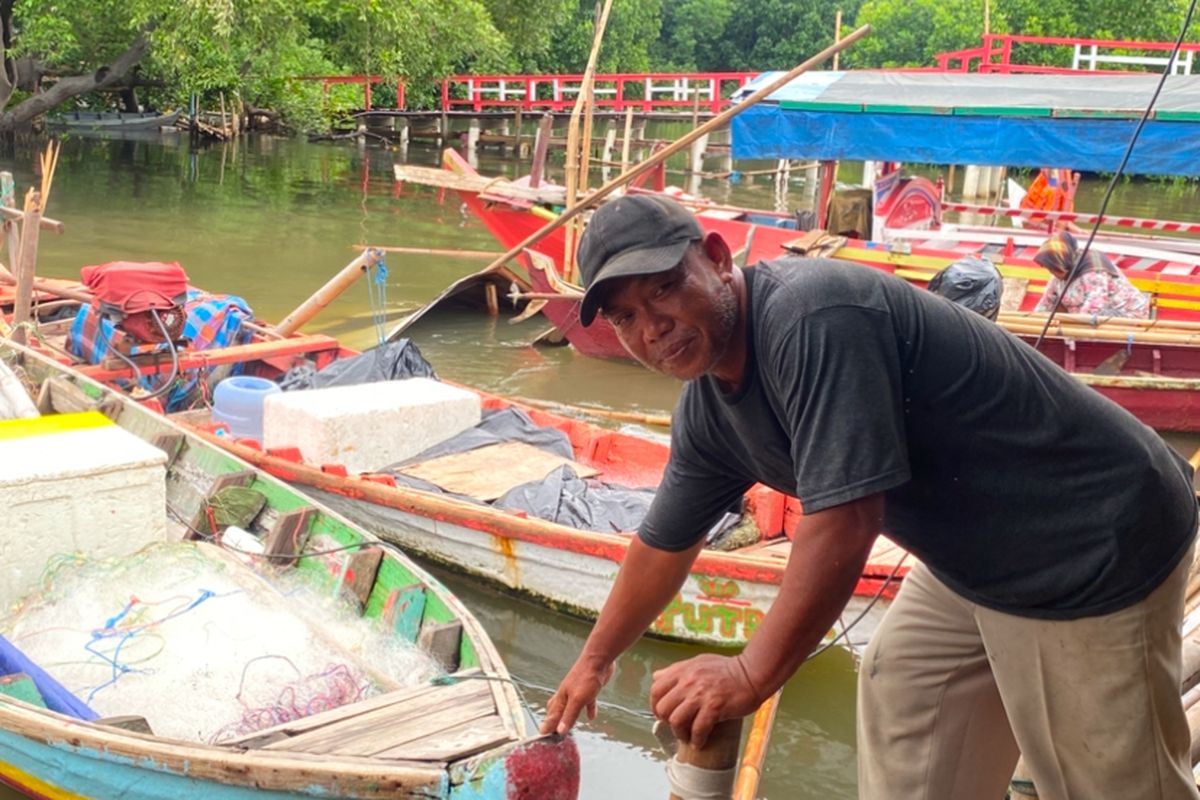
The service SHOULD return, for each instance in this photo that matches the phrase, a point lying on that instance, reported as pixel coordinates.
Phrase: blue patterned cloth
(212, 321)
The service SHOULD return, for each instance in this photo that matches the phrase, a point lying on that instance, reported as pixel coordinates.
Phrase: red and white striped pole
(1072, 216)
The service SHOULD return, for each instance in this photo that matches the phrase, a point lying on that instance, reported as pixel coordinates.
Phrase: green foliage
(255, 49)
(911, 32)
(633, 26)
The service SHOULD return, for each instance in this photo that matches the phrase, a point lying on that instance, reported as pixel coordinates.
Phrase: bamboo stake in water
(22, 308)
(579, 147)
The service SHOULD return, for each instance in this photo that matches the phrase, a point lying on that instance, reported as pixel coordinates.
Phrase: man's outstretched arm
(646, 582)
(828, 553)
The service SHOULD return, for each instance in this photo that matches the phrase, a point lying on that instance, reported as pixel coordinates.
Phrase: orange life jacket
(1050, 191)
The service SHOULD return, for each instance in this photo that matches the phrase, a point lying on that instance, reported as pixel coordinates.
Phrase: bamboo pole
(625, 138)
(22, 307)
(47, 224)
(1040, 318)
(837, 33)
(427, 251)
(327, 293)
(579, 151)
(679, 144)
(657, 420)
(720, 752)
(755, 752)
(1104, 335)
(65, 292)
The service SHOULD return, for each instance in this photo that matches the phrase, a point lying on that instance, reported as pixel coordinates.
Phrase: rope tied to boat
(377, 297)
(689, 782)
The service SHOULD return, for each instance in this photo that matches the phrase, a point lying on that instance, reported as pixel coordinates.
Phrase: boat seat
(439, 722)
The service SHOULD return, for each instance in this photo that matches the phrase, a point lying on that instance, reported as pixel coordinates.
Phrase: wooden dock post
(520, 148)
(606, 153)
(541, 144)
(625, 139)
(473, 142)
(505, 131)
(696, 155)
(639, 133)
(971, 182)
(400, 124)
(720, 753)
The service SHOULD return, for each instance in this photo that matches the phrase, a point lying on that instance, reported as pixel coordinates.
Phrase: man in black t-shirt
(1055, 530)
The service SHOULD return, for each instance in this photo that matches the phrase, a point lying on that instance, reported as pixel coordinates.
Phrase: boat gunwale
(27, 720)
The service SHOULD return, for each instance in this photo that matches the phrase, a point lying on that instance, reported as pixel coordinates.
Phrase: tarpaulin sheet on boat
(1081, 122)
(392, 361)
(560, 497)
(567, 499)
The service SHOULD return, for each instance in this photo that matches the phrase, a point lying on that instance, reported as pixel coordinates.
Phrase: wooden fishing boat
(461, 734)
(1151, 369)
(560, 565)
(112, 120)
(1082, 122)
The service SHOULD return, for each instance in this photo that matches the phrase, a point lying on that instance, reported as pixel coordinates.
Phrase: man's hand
(694, 695)
(578, 691)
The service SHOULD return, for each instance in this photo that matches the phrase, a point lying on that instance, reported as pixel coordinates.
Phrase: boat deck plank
(884, 553)
(428, 723)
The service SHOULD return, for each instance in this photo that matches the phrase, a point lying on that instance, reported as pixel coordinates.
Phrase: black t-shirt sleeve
(693, 495)
(837, 372)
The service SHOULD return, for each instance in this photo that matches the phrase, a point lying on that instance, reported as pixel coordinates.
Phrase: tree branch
(8, 70)
(103, 78)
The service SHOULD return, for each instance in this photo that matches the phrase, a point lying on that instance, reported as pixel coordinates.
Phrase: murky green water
(272, 219)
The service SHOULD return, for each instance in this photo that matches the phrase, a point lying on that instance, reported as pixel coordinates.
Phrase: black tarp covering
(399, 359)
(567, 499)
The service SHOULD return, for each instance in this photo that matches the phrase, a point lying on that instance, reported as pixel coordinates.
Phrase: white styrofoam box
(370, 425)
(97, 491)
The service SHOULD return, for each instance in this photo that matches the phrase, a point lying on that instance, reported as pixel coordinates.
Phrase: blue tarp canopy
(1082, 122)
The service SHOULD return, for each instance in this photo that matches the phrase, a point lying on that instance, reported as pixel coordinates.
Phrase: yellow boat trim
(23, 780)
(51, 423)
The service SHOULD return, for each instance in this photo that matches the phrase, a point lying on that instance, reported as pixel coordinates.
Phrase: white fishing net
(204, 649)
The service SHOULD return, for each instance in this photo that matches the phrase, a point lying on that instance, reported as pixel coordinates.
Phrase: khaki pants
(948, 692)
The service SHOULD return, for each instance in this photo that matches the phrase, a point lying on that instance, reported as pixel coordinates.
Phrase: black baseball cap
(637, 234)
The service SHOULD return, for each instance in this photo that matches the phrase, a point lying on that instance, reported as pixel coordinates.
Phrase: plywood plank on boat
(388, 736)
(487, 473)
(884, 553)
(390, 721)
(462, 741)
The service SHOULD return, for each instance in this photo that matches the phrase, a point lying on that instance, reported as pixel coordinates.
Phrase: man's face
(677, 322)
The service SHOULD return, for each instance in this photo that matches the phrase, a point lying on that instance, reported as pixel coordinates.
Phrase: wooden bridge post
(473, 142)
(505, 131)
(402, 127)
(625, 139)
(541, 145)
(639, 133)
(519, 146)
(696, 155)
(606, 154)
